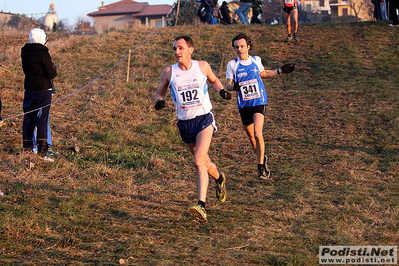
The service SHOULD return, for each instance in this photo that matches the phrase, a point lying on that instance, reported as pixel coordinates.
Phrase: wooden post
(177, 12)
(128, 66)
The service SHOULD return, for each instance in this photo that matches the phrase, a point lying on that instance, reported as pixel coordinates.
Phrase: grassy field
(121, 190)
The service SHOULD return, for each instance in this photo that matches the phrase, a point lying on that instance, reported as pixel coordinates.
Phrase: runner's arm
(230, 84)
(213, 80)
(269, 73)
(163, 85)
(287, 68)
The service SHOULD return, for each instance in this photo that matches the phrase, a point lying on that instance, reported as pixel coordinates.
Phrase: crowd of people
(210, 13)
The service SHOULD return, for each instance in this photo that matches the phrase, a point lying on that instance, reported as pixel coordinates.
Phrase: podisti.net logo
(358, 255)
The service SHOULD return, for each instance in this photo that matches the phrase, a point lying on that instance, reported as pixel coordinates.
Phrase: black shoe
(263, 170)
(265, 166)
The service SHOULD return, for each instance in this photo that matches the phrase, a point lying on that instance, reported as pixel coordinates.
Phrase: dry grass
(332, 140)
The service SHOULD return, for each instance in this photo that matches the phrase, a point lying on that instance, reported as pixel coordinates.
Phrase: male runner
(187, 80)
(244, 75)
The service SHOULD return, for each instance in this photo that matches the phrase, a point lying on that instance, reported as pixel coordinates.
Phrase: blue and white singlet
(247, 73)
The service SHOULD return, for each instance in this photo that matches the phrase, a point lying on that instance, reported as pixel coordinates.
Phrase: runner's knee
(259, 136)
(200, 161)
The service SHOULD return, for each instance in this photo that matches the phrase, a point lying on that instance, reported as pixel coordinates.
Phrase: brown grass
(332, 140)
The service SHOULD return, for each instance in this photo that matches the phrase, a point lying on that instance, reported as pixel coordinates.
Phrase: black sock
(260, 166)
(201, 203)
(219, 180)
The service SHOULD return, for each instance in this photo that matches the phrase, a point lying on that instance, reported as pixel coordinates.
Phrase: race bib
(289, 3)
(249, 89)
(189, 96)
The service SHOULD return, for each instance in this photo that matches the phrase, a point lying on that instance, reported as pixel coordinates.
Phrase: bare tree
(356, 7)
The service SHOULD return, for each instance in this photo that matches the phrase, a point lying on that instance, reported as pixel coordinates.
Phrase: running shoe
(48, 159)
(289, 38)
(199, 212)
(221, 188)
(295, 38)
(266, 167)
(263, 170)
(52, 153)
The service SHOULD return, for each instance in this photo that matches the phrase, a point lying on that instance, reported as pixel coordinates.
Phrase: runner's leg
(295, 17)
(202, 162)
(260, 142)
(288, 21)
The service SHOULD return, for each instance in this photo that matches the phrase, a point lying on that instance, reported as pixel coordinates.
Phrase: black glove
(225, 94)
(287, 68)
(236, 86)
(160, 104)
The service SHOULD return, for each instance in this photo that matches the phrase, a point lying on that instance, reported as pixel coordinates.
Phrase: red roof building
(128, 13)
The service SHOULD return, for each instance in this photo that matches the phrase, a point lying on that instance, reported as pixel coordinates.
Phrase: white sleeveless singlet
(189, 92)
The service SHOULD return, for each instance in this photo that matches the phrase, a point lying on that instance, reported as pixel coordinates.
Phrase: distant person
(39, 70)
(187, 80)
(377, 9)
(208, 7)
(201, 12)
(393, 9)
(217, 14)
(244, 75)
(226, 14)
(243, 11)
(383, 10)
(256, 11)
(290, 8)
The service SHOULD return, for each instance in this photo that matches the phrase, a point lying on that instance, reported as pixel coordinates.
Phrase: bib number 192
(189, 95)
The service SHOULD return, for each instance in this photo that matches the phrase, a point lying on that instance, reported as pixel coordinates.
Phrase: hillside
(124, 182)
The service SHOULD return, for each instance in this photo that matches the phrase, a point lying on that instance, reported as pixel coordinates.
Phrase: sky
(69, 10)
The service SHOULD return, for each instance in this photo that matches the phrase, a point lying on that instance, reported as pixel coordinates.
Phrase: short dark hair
(188, 40)
(242, 36)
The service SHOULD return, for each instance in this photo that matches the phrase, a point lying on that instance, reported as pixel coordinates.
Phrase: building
(316, 6)
(361, 9)
(128, 13)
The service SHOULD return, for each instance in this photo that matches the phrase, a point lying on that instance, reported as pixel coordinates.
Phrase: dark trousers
(393, 5)
(254, 19)
(32, 101)
(208, 14)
